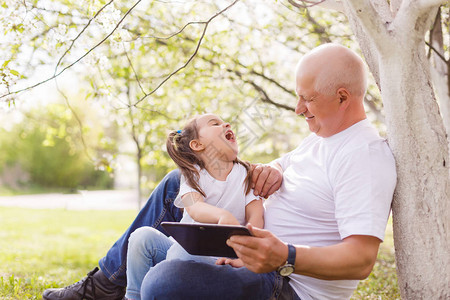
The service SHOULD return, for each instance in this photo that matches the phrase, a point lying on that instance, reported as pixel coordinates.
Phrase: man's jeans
(199, 280)
(159, 208)
(184, 280)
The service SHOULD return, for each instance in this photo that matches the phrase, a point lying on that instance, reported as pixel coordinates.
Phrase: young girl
(215, 188)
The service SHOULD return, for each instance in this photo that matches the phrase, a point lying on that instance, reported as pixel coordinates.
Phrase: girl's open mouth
(229, 135)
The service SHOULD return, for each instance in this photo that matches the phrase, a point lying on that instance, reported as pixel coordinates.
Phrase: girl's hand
(235, 263)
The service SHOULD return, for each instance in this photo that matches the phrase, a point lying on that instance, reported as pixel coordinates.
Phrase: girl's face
(216, 139)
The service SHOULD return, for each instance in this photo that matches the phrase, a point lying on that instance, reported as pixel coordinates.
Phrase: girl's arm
(205, 213)
(254, 213)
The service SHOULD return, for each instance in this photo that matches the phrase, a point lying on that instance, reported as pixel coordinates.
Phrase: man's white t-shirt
(332, 188)
(228, 194)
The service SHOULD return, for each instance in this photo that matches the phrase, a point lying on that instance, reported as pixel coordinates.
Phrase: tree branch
(177, 32)
(395, 6)
(258, 88)
(252, 71)
(80, 123)
(370, 20)
(428, 4)
(318, 29)
(265, 97)
(134, 72)
(436, 51)
(305, 3)
(190, 58)
(81, 32)
(384, 11)
(76, 61)
(413, 11)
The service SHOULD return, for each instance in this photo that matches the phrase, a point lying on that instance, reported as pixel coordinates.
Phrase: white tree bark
(439, 73)
(442, 90)
(394, 48)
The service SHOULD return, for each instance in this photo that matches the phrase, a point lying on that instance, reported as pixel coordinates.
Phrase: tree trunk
(417, 138)
(420, 207)
(440, 71)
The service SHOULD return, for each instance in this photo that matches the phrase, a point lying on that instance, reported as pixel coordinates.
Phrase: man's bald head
(332, 66)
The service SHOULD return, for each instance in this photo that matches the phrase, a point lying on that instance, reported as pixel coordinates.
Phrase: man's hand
(266, 179)
(261, 253)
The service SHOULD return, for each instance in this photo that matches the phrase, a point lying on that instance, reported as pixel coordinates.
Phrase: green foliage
(46, 147)
(38, 253)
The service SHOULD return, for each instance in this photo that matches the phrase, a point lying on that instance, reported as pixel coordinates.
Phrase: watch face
(286, 270)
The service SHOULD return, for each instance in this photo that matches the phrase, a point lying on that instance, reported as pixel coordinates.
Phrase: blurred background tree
(45, 150)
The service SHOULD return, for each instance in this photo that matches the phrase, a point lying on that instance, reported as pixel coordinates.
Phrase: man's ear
(196, 145)
(344, 96)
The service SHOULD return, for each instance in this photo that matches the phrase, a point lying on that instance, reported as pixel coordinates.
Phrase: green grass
(382, 282)
(40, 249)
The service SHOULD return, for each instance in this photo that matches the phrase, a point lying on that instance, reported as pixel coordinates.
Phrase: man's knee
(162, 282)
(173, 177)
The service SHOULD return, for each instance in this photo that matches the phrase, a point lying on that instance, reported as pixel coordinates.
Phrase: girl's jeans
(147, 247)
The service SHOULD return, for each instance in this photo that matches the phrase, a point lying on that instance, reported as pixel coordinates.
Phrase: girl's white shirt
(228, 194)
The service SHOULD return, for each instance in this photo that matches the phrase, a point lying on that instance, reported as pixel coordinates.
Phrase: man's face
(321, 111)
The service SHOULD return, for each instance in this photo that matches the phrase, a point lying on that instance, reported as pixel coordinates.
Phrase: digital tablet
(205, 239)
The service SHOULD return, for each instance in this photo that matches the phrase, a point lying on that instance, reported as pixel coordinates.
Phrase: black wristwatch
(289, 267)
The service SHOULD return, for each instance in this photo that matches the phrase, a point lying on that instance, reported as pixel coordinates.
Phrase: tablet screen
(205, 239)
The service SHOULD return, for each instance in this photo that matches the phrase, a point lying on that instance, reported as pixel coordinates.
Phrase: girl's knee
(142, 236)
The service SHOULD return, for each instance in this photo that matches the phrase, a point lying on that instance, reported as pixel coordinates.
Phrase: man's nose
(301, 107)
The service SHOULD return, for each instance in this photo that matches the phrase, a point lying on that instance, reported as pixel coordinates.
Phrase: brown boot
(95, 286)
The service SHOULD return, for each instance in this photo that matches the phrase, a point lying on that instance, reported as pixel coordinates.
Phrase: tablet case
(205, 239)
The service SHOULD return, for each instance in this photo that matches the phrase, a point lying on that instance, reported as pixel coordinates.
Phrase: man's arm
(353, 258)
(266, 179)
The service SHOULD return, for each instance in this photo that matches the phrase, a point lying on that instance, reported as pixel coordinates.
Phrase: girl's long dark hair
(186, 159)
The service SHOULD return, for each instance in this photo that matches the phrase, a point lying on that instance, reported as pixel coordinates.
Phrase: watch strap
(291, 254)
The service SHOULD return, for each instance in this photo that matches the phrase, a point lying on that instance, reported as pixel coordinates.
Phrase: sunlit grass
(382, 282)
(40, 249)
(52, 248)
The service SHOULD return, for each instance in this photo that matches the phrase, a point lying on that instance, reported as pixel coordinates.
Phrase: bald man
(323, 225)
